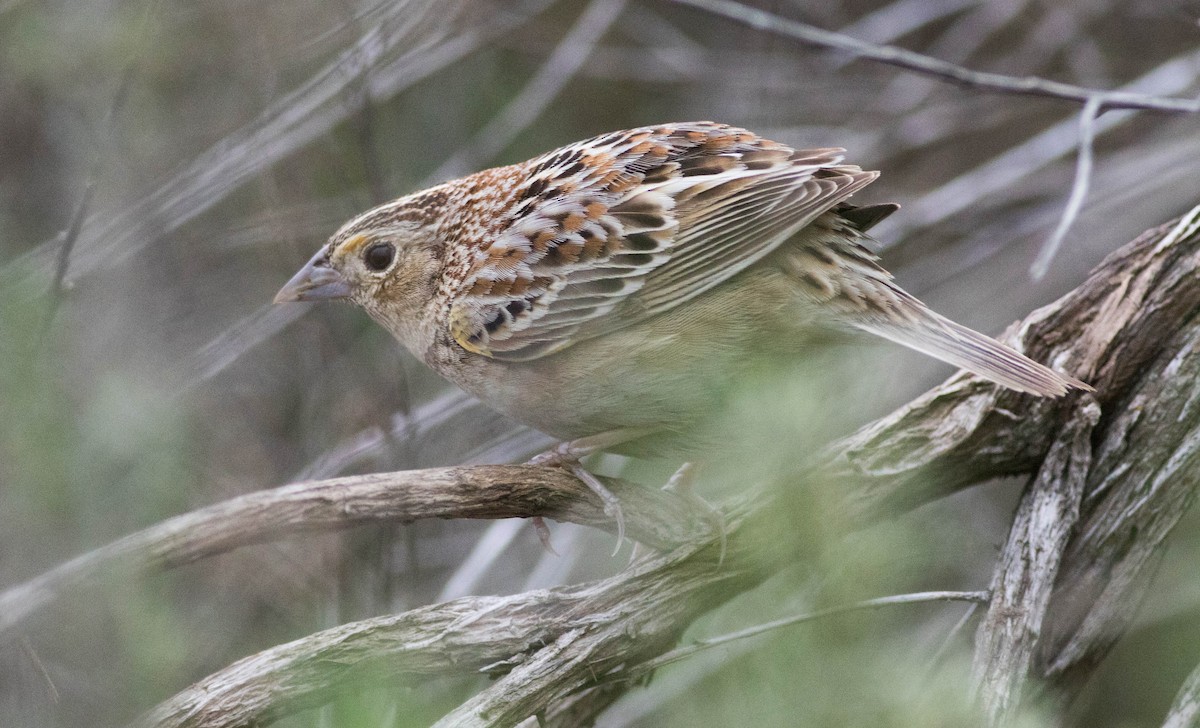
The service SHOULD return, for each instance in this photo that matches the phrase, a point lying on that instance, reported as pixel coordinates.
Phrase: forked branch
(1132, 330)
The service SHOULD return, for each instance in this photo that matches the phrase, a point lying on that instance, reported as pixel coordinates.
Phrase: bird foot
(566, 455)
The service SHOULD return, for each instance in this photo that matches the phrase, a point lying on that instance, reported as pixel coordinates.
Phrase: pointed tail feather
(832, 268)
(933, 334)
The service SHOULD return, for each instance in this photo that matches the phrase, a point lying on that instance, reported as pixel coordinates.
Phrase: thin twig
(69, 236)
(969, 189)
(975, 597)
(294, 120)
(937, 68)
(27, 646)
(562, 65)
(907, 94)
(951, 636)
(1079, 190)
(107, 128)
(898, 19)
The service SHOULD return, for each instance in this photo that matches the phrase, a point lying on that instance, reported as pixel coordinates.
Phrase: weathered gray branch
(1024, 576)
(1131, 329)
(539, 641)
(1141, 483)
(1107, 332)
(1185, 709)
(657, 518)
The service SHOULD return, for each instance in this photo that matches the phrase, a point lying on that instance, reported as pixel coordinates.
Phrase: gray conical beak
(316, 281)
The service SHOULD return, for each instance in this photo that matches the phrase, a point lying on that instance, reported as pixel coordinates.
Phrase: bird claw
(566, 455)
(612, 506)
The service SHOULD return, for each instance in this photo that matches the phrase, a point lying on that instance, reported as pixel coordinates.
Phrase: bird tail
(931, 333)
(832, 268)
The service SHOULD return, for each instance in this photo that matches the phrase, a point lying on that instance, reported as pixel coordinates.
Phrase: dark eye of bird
(379, 256)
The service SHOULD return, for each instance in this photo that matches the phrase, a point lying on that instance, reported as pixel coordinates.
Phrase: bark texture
(1111, 475)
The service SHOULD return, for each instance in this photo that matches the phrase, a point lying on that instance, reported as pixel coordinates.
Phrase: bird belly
(668, 374)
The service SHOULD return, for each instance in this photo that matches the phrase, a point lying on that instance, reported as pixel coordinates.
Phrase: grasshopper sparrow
(616, 286)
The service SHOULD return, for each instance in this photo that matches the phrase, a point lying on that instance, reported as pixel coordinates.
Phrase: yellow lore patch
(354, 243)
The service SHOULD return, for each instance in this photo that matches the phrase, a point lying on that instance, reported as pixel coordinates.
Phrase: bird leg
(683, 483)
(567, 455)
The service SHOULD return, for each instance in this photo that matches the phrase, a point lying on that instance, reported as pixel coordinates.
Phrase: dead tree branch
(1132, 329)
(660, 519)
(1107, 332)
(1024, 576)
(1079, 189)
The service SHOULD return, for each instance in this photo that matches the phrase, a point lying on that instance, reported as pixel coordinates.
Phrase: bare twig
(898, 19)
(1006, 169)
(936, 68)
(950, 637)
(976, 597)
(311, 109)
(1079, 190)
(566, 60)
(32, 654)
(69, 236)
(961, 41)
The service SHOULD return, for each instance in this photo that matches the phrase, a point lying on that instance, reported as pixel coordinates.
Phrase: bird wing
(610, 231)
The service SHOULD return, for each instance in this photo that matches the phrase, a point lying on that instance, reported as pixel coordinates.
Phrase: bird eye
(379, 256)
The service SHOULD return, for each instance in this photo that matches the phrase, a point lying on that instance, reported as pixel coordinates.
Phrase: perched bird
(615, 287)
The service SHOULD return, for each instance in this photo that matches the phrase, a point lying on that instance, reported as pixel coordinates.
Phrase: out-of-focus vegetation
(225, 140)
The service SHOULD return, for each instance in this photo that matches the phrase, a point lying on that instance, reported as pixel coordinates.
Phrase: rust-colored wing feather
(607, 232)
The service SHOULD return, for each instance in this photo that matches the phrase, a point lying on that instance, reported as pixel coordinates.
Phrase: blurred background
(192, 156)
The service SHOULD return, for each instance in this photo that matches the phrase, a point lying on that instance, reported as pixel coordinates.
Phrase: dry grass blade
(420, 45)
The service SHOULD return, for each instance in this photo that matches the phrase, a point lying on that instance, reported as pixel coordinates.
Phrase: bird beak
(316, 281)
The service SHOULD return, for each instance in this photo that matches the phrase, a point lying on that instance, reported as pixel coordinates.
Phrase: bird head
(385, 263)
